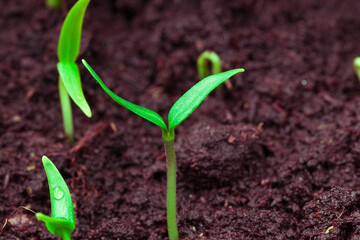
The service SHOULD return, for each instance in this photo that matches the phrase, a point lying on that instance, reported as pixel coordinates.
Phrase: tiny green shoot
(202, 64)
(210, 57)
(53, 3)
(357, 67)
(69, 76)
(184, 106)
(62, 220)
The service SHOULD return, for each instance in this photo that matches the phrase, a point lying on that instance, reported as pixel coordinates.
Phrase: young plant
(357, 67)
(178, 113)
(69, 76)
(53, 3)
(62, 220)
(202, 64)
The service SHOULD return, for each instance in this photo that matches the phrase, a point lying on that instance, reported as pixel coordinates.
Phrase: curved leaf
(70, 76)
(70, 35)
(62, 220)
(188, 102)
(141, 111)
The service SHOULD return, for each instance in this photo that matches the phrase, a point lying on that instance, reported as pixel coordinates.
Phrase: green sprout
(62, 220)
(69, 76)
(202, 64)
(357, 67)
(178, 113)
(53, 3)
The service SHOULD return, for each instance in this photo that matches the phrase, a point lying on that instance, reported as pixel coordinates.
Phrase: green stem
(168, 138)
(66, 112)
(66, 236)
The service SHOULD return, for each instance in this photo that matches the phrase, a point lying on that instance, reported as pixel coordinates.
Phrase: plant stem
(66, 236)
(168, 138)
(66, 112)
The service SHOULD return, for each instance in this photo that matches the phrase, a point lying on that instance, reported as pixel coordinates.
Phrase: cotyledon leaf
(188, 102)
(70, 76)
(70, 35)
(62, 220)
(141, 111)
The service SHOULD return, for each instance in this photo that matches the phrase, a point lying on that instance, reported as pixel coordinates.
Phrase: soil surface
(276, 157)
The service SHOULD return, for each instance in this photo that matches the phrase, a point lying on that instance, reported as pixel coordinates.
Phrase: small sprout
(69, 76)
(328, 230)
(357, 67)
(178, 113)
(53, 3)
(62, 220)
(202, 64)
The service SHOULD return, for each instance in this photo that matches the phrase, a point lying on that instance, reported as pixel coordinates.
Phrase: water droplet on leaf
(79, 98)
(58, 193)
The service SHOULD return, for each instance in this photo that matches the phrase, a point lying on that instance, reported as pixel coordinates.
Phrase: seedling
(53, 3)
(357, 67)
(62, 220)
(69, 76)
(178, 113)
(202, 65)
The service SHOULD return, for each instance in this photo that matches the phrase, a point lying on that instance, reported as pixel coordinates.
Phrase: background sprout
(357, 67)
(178, 113)
(69, 76)
(202, 65)
(53, 3)
(62, 220)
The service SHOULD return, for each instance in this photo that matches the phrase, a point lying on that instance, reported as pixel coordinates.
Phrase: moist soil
(275, 157)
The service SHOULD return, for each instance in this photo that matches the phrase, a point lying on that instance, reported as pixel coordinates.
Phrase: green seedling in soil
(62, 220)
(210, 57)
(69, 76)
(178, 113)
(53, 3)
(357, 67)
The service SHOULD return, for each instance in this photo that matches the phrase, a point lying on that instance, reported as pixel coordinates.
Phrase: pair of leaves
(182, 107)
(62, 220)
(68, 50)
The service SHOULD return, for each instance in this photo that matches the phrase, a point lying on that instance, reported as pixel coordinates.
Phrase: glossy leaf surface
(70, 35)
(141, 111)
(70, 76)
(188, 102)
(62, 220)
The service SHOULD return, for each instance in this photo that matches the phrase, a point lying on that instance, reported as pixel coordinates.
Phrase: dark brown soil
(276, 158)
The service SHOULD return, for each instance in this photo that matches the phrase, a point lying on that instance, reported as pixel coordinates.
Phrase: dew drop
(79, 98)
(303, 82)
(58, 193)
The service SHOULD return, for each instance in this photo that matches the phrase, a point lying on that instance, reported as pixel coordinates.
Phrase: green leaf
(70, 76)
(70, 35)
(62, 220)
(141, 111)
(188, 102)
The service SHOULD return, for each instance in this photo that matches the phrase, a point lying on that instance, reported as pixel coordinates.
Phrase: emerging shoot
(357, 67)
(178, 113)
(202, 64)
(210, 57)
(53, 3)
(69, 76)
(62, 220)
